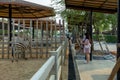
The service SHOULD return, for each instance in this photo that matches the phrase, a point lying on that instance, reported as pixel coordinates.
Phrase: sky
(42, 2)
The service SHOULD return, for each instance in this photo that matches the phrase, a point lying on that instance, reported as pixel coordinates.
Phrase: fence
(40, 33)
(53, 66)
(73, 50)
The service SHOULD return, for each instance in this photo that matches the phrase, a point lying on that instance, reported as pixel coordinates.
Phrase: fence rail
(43, 72)
(52, 69)
(40, 33)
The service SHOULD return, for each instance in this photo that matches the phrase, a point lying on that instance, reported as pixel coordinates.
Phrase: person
(82, 41)
(87, 47)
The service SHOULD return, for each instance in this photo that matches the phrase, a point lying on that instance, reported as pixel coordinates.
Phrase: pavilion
(104, 6)
(24, 15)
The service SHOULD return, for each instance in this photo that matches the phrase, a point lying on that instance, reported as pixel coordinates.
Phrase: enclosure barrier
(43, 72)
(52, 69)
(73, 49)
(42, 36)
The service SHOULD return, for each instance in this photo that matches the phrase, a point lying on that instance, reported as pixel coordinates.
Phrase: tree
(101, 21)
(113, 21)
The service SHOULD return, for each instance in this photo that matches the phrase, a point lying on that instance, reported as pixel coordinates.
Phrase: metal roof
(106, 6)
(24, 9)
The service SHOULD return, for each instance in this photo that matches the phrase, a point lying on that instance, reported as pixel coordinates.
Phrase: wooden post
(90, 30)
(115, 70)
(19, 27)
(37, 45)
(51, 35)
(13, 40)
(31, 38)
(118, 36)
(3, 28)
(10, 25)
(8, 48)
(60, 31)
(55, 36)
(63, 30)
(24, 34)
(33, 22)
(47, 35)
(41, 38)
(10, 21)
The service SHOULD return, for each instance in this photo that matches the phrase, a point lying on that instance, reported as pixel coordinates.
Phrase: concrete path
(101, 66)
(111, 46)
(95, 70)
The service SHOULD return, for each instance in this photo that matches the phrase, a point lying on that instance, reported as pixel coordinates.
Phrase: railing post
(65, 49)
(62, 57)
(73, 49)
(59, 54)
(56, 74)
(54, 53)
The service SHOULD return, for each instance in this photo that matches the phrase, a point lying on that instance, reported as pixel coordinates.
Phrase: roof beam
(91, 8)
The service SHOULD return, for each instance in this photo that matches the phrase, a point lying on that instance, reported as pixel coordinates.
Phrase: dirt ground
(21, 70)
(65, 70)
(24, 69)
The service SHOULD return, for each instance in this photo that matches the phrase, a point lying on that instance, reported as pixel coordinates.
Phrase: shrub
(108, 38)
(111, 38)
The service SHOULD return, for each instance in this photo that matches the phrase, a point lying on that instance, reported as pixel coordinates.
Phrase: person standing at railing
(87, 47)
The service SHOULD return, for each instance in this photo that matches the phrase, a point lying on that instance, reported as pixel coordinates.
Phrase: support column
(33, 28)
(10, 25)
(10, 22)
(90, 30)
(118, 36)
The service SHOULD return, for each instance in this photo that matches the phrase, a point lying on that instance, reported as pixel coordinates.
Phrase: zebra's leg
(24, 55)
(12, 56)
(16, 56)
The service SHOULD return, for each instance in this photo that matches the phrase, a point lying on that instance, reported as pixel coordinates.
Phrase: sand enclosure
(21, 70)
(25, 69)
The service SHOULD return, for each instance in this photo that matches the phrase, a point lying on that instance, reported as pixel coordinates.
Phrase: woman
(87, 47)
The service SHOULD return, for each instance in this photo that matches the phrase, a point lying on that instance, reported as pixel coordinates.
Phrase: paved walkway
(99, 68)
(111, 46)
(95, 70)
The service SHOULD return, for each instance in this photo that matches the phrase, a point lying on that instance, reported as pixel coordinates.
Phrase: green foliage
(69, 15)
(104, 22)
(5, 31)
(111, 38)
(101, 21)
(108, 38)
(97, 37)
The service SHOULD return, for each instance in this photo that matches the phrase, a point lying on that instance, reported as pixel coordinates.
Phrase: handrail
(53, 63)
(43, 72)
